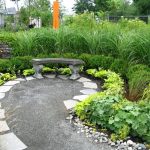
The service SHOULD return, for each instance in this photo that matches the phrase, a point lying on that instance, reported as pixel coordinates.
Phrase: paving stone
(2, 113)
(83, 79)
(88, 91)
(20, 79)
(64, 77)
(30, 78)
(80, 97)
(12, 82)
(11, 142)
(90, 85)
(4, 88)
(70, 103)
(50, 76)
(2, 95)
(3, 127)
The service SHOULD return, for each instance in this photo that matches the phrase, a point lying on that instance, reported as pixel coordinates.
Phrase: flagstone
(30, 78)
(4, 88)
(83, 79)
(2, 95)
(50, 76)
(88, 91)
(3, 127)
(12, 82)
(11, 142)
(90, 85)
(20, 79)
(2, 113)
(80, 97)
(70, 104)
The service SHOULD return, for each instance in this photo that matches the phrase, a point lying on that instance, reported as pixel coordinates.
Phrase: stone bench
(74, 65)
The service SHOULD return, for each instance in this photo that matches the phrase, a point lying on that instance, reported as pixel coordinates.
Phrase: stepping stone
(80, 97)
(64, 77)
(11, 142)
(2, 95)
(3, 127)
(4, 88)
(70, 104)
(90, 85)
(2, 113)
(12, 82)
(30, 78)
(20, 79)
(82, 79)
(50, 76)
(88, 91)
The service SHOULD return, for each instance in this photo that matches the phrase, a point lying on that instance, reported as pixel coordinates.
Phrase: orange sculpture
(56, 14)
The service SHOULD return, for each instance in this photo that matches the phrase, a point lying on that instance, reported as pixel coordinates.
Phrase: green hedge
(137, 75)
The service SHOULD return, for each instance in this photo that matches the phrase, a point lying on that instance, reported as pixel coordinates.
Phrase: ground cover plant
(111, 110)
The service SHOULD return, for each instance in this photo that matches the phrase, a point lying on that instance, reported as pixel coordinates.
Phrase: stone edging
(8, 140)
(89, 88)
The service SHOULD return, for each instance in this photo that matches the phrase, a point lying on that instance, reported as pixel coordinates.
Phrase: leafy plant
(48, 70)
(7, 77)
(28, 72)
(64, 71)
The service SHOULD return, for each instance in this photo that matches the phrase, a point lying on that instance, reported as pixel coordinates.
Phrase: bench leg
(75, 71)
(38, 70)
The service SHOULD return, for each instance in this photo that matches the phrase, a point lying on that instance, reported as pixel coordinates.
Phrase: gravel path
(36, 114)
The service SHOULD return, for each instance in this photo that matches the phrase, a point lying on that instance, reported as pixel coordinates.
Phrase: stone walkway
(34, 115)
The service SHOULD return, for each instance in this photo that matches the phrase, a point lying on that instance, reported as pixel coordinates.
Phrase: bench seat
(74, 65)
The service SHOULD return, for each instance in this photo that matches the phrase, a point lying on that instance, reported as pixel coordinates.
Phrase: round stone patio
(35, 112)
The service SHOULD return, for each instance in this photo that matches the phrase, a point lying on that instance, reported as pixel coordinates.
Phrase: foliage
(1, 82)
(7, 77)
(128, 40)
(143, 6)
(139, 78)
(28, 72)
(108, 109)
(81, 6)
(48, 70)
(20, 63)
(146, 93)
(64, 71)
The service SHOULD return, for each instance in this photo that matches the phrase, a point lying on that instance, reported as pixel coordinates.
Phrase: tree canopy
(114, 7)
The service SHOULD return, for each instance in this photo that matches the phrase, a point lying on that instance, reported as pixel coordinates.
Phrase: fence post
(148, 19)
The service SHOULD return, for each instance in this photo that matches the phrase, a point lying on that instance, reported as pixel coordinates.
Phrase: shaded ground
(36, 114)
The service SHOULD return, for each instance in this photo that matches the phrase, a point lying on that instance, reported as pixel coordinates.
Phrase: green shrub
(91, 72)
(7, 77)
(48, 70)
(5, 65)
(28, 72)
(21, 63)
(1, 82)
(119, 66)
(64, 71)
